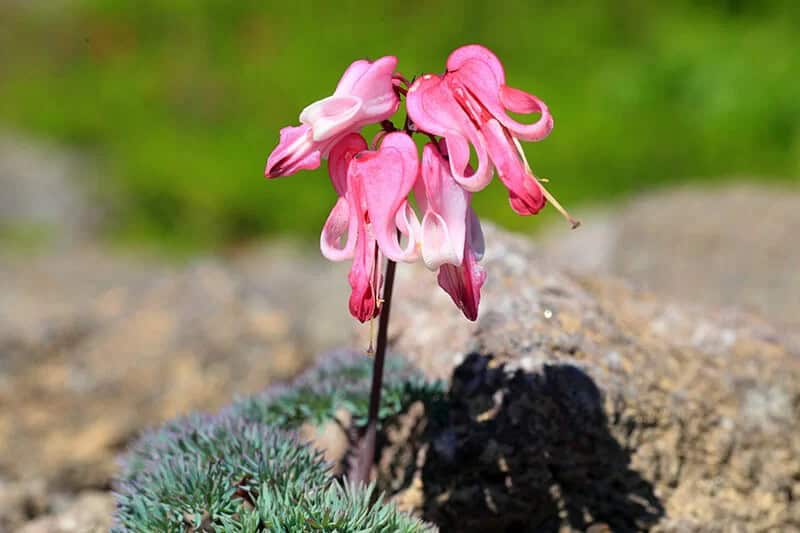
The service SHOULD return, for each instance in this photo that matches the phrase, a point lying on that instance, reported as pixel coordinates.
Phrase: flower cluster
(465, 110)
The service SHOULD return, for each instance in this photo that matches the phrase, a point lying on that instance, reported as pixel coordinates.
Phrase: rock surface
(729, 245)
(94, 348)
(601, 403)
(90, 512)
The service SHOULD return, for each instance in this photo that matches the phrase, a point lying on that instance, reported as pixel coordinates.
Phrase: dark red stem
(366, 454)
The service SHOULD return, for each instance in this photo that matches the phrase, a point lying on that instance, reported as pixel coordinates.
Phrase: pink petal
(437, 245)
(522, 102)
(339, 160)
(332, 116)
(434, 109)
(341, 224)
(476, 52)
(445, 203)
(376, 90)
(295, 151)
(479, 70)
(388, 176)
(346, 215)
(409, 226)
(525, 195)
(463, 283)
(363, 279)
(351, 76)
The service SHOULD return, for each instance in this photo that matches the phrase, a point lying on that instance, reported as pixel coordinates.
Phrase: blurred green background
(181, 101)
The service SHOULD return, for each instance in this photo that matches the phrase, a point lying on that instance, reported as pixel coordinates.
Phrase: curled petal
(522, 102)
(365, 95)
(433, 108)
(437, 245)
(408, 225)
(295, 151)
(445, 204)
(475, 52)
(331, 116)
(525, 195)
(481, 72)
(387, 176)
(375, 88)
(351, 75)
(341, 224)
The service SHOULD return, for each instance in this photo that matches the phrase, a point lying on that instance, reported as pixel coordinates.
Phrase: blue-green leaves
(243, 470)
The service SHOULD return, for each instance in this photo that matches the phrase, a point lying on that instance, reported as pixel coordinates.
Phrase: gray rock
(95, 347)
(90, 512)
(587, 403)
(729, 245)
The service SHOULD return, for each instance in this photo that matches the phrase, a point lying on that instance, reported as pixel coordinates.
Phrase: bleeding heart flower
(373, 188)
(467, 106)
(388, 175)
(444, 205)
(450, 234)
(338, 239)
(364, 95)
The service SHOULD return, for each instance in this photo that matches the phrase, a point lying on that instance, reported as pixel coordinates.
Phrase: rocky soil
(583, 402)
(580, 401)
(733, 245)
(95, 348)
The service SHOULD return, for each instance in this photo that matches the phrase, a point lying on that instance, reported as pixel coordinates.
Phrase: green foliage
(336, 508)
(202, 469)
(241, 471)
(223, 474)
(183, 101)
(341, 381)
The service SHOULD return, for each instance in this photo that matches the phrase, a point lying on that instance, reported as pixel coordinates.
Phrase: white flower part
(331, 116)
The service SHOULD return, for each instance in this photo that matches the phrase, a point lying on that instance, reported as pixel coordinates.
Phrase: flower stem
(366, 453)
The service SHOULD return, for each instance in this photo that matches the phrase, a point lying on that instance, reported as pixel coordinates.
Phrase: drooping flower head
(372, 219)
(365, 95)
(467, 106)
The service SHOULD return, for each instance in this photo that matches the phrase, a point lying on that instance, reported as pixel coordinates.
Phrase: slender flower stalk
(366, 452)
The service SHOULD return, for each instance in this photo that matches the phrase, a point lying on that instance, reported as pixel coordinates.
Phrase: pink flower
(463, 282)
(444, 205)
(373, 188)
(450, 234)
(464, 109)
(364, 95)
(467, 106)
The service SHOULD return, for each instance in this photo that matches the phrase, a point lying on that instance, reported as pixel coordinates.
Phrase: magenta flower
(450, 234)
(364, 95)
(372, 220)
(373, 188)
(467, 106)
